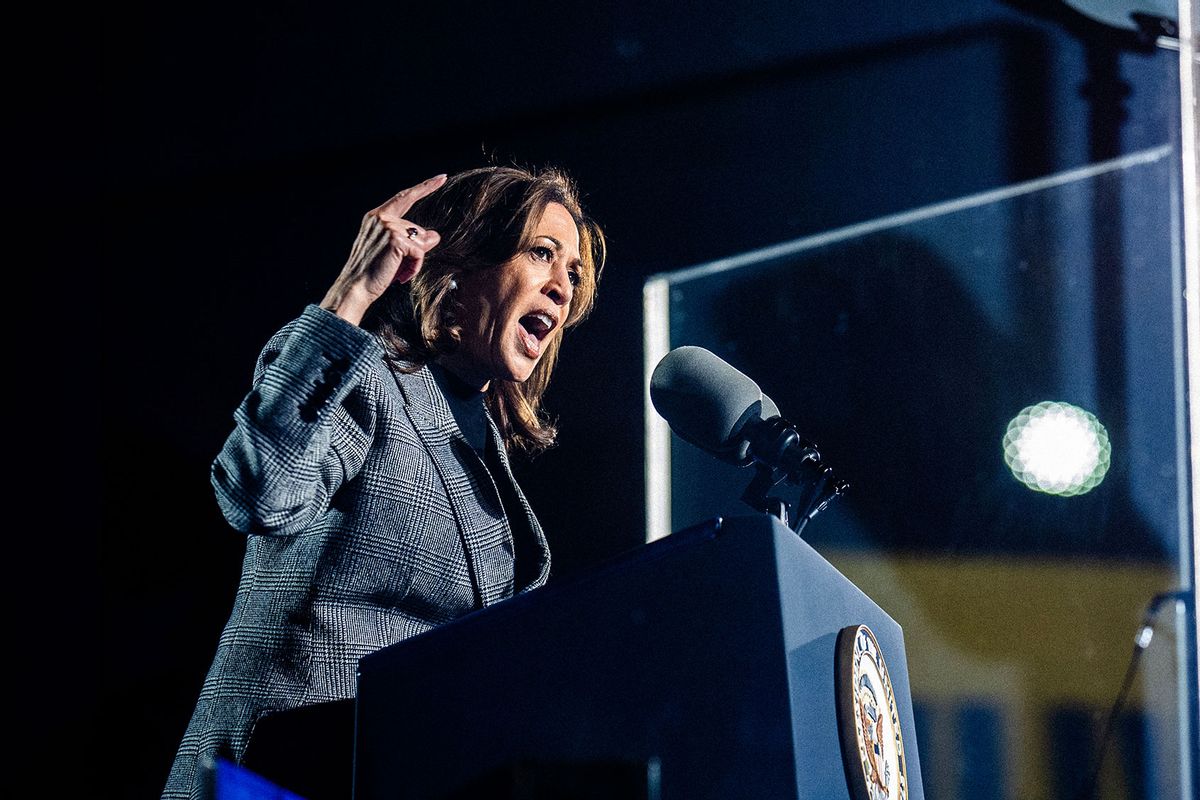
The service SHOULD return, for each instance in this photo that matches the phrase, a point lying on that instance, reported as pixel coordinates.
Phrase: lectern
(711, 653)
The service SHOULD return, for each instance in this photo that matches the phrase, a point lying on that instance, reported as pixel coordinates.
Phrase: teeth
(545, 319)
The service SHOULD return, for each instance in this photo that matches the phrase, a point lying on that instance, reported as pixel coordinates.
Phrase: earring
(453, 284)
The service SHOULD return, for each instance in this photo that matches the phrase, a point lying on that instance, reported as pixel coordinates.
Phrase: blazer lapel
(484, 531)
(543, 547)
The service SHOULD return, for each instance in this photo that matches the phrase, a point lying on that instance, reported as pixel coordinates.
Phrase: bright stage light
(1057, 448)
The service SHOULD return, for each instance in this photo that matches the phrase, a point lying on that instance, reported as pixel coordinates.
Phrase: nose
(558, 287)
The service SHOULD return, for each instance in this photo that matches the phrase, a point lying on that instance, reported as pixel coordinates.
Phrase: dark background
(244, 142)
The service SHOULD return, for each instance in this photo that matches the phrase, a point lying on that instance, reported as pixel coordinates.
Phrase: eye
(574, 277)
(542, 253)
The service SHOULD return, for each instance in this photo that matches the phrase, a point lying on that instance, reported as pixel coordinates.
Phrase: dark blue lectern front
(709, 653)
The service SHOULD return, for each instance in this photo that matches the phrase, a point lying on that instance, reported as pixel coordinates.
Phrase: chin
(520, 370)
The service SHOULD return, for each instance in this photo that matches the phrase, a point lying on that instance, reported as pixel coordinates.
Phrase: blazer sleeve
(305, 427)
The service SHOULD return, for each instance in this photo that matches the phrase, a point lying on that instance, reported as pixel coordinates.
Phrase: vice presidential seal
(872, 747)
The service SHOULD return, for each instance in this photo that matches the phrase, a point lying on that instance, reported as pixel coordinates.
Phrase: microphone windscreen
(705, 400)
(769, 409)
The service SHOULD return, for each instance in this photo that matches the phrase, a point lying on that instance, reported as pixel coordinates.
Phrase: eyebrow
(559, 245)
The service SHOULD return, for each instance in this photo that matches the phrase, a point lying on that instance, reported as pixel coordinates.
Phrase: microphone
(1141, 641)
(710, 404)
(706, 402)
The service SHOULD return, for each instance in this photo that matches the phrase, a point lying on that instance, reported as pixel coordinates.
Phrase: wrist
(350, 303)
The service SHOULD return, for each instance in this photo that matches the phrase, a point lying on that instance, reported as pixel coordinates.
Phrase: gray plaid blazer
(370, 518)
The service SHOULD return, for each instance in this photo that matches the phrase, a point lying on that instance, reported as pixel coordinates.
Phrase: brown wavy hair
(486, 217)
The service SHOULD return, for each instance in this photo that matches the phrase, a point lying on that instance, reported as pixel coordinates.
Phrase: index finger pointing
(403, 200)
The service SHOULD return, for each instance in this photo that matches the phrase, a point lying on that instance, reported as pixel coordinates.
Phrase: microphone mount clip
(780, 456)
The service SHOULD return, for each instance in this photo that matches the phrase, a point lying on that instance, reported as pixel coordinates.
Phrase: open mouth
(535, 328)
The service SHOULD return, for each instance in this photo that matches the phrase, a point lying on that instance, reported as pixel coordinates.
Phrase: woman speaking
(369, 462)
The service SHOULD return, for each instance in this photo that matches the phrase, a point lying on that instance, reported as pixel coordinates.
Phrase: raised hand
(389, 249)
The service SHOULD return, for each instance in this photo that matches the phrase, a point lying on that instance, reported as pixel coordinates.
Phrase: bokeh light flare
(1057, 448)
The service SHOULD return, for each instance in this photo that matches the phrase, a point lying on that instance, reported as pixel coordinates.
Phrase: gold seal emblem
(868, 723)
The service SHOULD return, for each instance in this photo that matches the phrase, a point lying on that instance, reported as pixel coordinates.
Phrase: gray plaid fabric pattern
(370, 519)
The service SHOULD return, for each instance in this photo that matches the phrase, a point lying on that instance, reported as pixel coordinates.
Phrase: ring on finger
(413, 233)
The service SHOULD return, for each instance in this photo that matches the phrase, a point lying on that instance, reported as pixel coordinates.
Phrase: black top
(466, 404)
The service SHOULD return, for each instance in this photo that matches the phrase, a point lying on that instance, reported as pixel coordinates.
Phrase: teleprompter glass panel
(1000, 380)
